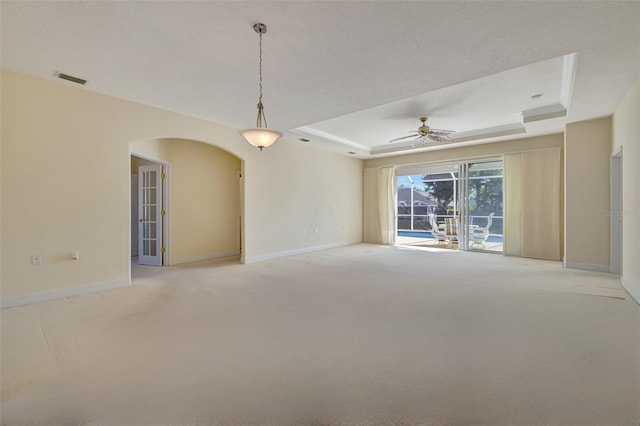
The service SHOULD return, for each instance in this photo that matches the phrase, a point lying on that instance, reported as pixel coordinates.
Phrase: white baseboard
(45, 296)
(587, 266)
(263, 257)
(633, 292)
(204, 257)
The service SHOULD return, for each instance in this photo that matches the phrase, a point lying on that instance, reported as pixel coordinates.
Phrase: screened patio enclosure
(463, 200)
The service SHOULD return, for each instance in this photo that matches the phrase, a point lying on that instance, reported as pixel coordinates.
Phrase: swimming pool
(427, 234)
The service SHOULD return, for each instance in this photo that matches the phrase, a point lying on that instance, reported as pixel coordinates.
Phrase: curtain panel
(532, 204)
(379, 206)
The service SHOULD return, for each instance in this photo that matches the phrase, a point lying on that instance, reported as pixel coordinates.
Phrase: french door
(151, 214)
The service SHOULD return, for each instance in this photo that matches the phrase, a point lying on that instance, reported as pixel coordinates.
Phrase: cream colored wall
(587, 149)
(626, 134)
(65, 185)
(310, 198)
(203, 198)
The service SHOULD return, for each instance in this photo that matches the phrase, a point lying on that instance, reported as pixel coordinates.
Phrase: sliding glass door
(427, 196)
(481, 188)
(455, 206)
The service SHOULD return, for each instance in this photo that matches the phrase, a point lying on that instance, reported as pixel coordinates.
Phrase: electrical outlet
(36, 259)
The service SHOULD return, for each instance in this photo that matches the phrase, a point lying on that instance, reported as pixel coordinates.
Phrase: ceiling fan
(426, 134)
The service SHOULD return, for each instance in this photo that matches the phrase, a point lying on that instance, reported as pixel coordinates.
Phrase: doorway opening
(187, 205)
(149, 211)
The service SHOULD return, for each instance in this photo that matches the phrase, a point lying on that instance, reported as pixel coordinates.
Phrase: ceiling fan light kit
(261, 136)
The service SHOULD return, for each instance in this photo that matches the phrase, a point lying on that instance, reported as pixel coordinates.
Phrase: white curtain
(379, 206)
(532, 204)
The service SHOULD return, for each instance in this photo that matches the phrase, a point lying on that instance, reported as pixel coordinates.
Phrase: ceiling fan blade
(404, 137)
(438, 137)
(425, 134)
(419, 142)
(431, 132)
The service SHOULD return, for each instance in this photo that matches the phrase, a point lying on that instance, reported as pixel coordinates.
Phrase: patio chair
(451, 229)
(479, 235)
(438, 234)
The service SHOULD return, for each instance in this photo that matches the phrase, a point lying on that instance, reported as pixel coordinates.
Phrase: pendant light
(261, 136)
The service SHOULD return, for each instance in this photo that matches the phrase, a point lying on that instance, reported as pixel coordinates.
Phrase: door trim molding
(615, 207)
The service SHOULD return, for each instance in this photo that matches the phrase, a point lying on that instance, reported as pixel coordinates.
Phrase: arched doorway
(202, 200)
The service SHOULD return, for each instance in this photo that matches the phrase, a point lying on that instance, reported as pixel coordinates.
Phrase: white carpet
(359, 335)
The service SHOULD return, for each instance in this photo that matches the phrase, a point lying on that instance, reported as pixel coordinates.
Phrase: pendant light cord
(260, 68)
(261, 136)
(262, 120)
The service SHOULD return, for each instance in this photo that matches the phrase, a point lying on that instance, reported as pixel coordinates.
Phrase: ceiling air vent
(71, 78)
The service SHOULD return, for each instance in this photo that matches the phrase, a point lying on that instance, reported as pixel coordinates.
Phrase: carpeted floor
(360, 335)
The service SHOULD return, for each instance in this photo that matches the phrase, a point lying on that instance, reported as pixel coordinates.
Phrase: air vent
(71, 78)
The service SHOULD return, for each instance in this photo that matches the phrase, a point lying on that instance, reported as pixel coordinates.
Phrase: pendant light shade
(261, 136)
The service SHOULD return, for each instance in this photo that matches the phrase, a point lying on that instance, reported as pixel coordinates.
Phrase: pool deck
(430, 242)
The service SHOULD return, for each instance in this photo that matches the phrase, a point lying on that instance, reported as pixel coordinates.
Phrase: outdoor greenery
(485, 197)
(484, 188)
(486, 191)
(441, 191)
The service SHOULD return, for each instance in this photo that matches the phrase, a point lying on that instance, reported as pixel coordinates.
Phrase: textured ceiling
(339, 68)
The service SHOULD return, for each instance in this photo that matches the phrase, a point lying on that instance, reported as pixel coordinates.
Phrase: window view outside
(438, 194)
(419, 195)
(485, 195)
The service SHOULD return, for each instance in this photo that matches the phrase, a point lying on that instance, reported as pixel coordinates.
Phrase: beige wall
(65, 186)
(587, 149)
(626, 134)
(309, 198)
(203, 198)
